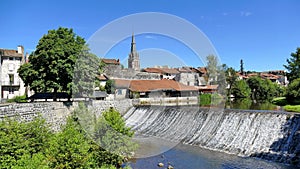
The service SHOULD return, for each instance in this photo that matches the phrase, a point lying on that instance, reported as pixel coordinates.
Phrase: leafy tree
(240, 89)
(85, 72)
(110, 86)
(242, 67)
(231, 78)
(212, 69)
(293, 91)
(262, 89)
(293, 66)
(51, 65)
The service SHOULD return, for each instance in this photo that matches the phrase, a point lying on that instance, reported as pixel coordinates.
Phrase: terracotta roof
(203, 70)
(111, 61)
(102, 77)
(122, 83)
(164, 84)
(162, 70)
(10, 52)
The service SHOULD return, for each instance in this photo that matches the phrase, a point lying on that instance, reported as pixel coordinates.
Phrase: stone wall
(56, 113)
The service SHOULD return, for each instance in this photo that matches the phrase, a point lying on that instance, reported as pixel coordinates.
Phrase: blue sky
(261, 32)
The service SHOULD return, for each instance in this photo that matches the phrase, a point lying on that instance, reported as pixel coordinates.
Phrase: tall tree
(212, 69)
(242, 67)
(293, 66)
(231, 77)
(51, 65)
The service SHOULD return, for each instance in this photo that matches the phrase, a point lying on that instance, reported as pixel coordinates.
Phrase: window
(11, 79)
(11, 90)
(11, 58)
(119, 91)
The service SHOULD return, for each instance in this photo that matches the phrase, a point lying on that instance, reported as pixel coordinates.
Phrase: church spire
(133, 48)
(134, 58)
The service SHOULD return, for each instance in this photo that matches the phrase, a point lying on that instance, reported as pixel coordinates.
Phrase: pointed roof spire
(133, 47)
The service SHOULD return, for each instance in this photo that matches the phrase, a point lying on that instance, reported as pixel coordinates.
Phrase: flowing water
(264, 134)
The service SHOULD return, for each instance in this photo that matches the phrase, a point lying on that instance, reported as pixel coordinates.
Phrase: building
(11, 84)
(134, 58)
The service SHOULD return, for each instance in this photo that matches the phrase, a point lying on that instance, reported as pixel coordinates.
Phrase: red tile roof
(102, 77)
(10, 52)
(164, 84)
(111, 61)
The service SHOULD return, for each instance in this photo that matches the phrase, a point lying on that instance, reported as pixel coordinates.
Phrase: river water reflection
(248, 104)
(191, 157)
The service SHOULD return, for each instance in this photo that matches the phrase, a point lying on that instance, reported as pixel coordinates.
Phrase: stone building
(11, 84)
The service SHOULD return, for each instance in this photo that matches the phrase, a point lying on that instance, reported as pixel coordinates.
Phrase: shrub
(18, 99)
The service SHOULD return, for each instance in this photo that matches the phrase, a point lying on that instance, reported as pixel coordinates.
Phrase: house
(11, 84)
(164, 72)
(208, 89)
(152, 88)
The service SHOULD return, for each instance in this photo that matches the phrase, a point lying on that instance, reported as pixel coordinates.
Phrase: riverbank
(290, 107)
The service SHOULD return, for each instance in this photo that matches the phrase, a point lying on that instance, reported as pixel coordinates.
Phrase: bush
(293, 91)
(292, 108)
(18, 99)
(280, 101)
(210, 99)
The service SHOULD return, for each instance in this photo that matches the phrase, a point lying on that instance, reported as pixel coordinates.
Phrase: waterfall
(268, 135)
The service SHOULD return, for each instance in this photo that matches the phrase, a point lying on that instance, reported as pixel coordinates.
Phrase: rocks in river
(170, 167)
(160, 164)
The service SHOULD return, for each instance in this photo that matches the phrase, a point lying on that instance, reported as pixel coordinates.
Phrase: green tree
(110, 86)
(240, 89)
(51, 65)
(85, 72)
(262, 89)
(212, 69)
(242, 67)
(231, 78)
(293, 66)
(293, 91)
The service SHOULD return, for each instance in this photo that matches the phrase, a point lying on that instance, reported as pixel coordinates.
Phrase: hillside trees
(51, 65)
(293, 66)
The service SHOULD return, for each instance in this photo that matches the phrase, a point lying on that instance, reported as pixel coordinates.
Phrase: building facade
(11, 84)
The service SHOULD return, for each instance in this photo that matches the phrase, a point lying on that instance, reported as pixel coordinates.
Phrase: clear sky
(261, 32)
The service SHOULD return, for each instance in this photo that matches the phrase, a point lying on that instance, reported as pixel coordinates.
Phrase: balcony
(10, 83)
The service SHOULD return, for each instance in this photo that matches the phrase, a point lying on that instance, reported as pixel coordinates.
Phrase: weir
(268, 135)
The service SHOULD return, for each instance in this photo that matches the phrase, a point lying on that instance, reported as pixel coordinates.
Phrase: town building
(11, 84)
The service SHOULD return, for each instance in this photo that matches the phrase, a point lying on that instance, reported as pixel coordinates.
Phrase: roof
(99, 94)
(10, 52)
(208, 87)
(161, 70)
(111, 61)
(122, 83)
(102, 77)
(164, 84)
(203, 70)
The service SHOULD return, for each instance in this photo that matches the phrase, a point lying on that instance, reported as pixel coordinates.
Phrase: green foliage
(85, 71)
(18, 99)
(110, 86)
(293, 91)
(51, 65)
(262, 89)
(280, 101)
(22, 144)
(231, 78)
(292, 108)
(33, 145)
(293, 66)
(210, 99)
(240, 89)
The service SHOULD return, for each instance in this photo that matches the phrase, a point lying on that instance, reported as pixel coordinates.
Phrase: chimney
(20, 49)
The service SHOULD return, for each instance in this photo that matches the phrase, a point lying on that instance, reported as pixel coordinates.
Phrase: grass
(292, 108)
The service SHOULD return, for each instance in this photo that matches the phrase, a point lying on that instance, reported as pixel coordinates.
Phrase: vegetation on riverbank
(34, 145)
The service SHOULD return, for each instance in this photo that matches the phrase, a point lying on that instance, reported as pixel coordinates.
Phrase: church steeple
(134, 58)
(133, 48)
